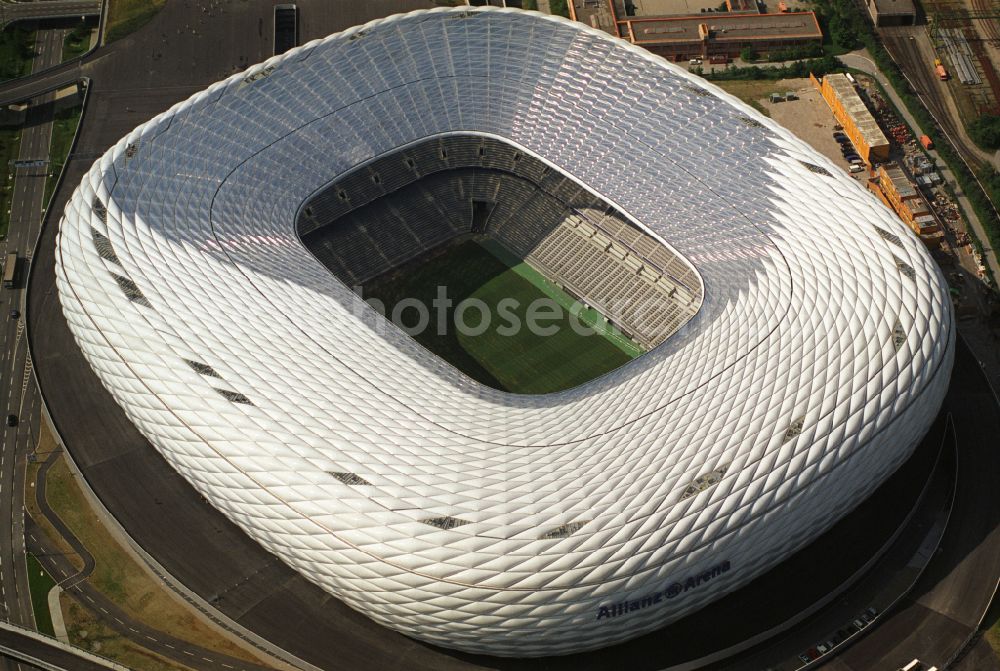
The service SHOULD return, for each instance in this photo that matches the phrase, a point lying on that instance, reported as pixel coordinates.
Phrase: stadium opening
(464, 218)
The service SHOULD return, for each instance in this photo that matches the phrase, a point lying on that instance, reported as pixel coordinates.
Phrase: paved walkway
(860, 60)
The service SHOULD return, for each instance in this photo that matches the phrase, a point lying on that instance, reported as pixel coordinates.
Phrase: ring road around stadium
(796, 339)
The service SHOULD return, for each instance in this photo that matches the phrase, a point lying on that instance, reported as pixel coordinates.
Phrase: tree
(985, 131)
(559, 7)
(843, 32)
(749, 55)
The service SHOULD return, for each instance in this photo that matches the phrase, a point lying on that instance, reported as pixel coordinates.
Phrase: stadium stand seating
(449, 186)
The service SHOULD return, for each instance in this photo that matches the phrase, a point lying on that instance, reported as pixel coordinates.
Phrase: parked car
(14, 314)
(859, 623)
(840, 137)
(822, 649)
(11, 420)
(851, 158)
(856, 167)
(804, 658)
(871, 610)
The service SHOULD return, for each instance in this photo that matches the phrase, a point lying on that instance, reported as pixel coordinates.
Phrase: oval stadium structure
(800, 345)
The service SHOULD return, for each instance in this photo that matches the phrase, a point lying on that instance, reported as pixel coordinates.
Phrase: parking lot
(810, 119)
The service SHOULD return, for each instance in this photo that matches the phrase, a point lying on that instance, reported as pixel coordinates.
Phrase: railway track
(905, 45)
(990, 28)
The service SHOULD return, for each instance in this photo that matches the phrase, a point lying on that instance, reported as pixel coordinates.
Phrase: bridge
(51, 9)
(47, 653)
(24, 89)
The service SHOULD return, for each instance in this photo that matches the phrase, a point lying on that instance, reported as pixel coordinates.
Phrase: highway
(17, 392)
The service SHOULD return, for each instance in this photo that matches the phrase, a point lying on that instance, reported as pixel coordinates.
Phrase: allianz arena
(805, 342)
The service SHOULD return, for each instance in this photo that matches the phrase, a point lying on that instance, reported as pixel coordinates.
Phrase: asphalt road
(945, 606)
(75, 583)
(156, 506)
(17, 392)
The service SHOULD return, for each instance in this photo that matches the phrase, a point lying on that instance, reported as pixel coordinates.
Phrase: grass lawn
(511, 359)
(10, 145)
(119, 577)
(77, 41)
(63, 128)
(991, 626)
(752, 91)
(127, 16)
(17, 51)
(41, 583)
(87, 631)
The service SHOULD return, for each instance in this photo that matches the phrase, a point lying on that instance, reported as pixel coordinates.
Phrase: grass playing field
(500, 354)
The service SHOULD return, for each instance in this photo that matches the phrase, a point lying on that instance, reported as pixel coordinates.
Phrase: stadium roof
(458, 514)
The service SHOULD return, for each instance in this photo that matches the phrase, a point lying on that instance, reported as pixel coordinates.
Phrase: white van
(856, 167)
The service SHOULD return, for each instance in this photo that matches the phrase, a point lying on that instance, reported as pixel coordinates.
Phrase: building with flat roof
(685, 34)
(894, 188)
(853, 114)
(892, 12)
(680, 37)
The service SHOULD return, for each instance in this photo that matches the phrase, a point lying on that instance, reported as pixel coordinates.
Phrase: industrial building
(853, 114)
(895, 189)
(707, 34)
(892, 12)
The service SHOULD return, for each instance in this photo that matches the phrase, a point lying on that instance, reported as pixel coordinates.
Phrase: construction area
(909, 182)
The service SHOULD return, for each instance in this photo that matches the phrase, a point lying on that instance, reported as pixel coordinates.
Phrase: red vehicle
(939, 69)
(926, 142)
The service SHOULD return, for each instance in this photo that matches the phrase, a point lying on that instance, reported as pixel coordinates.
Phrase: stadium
(749, 343)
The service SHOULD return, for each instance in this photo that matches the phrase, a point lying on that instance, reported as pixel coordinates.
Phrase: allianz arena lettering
(673, 590)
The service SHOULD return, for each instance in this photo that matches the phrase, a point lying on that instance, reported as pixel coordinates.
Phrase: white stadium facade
(810, 348)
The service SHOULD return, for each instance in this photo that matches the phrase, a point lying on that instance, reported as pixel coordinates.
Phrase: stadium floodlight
(461, 515)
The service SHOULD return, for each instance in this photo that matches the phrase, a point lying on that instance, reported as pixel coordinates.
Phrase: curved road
(75, 582)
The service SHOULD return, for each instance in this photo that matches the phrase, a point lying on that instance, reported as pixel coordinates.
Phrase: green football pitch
(569, 349)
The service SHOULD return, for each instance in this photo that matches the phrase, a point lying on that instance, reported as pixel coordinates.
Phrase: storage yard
(910, 178)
